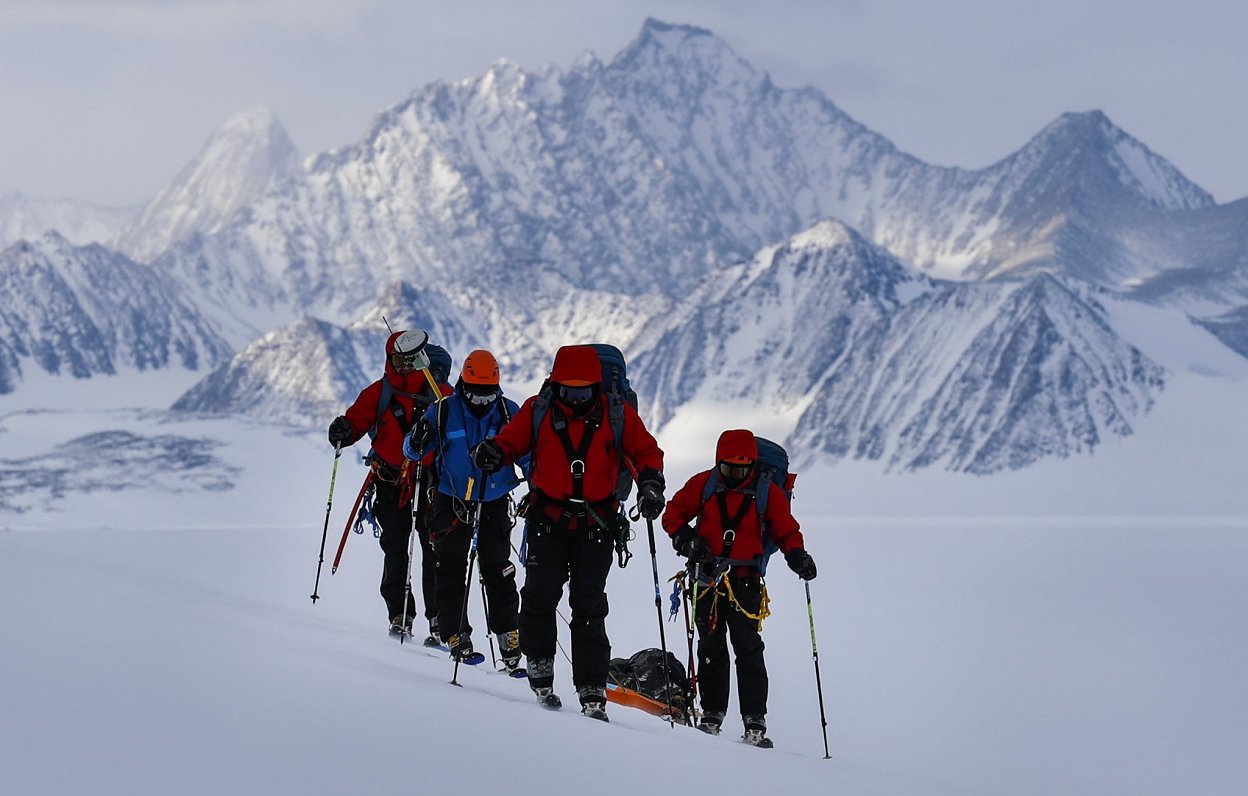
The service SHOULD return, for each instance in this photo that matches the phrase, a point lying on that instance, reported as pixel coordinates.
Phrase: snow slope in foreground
(993, 658)
(1076, 627)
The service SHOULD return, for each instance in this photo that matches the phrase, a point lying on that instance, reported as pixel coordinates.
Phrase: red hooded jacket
(409, 394)
(551, 469)
(686, 506)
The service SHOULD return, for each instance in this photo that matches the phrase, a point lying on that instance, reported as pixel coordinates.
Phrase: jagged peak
(251, 119)
(681, 47)
(825, 234)
(1072, 131)
(667, 31)
(1076, 140)
(246, 130)
(586, 62)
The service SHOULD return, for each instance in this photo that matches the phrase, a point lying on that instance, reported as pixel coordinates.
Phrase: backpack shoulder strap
(615, 413)
(383, 403)
(541, 405)
(708, 489)
(440, 412)
(504, 414)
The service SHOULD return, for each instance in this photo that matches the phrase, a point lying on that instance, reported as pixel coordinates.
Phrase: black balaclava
(478, 397)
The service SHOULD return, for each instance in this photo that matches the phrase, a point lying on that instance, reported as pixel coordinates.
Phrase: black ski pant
(451, 533)
(396, 528)
(581, 558)
(718, 620)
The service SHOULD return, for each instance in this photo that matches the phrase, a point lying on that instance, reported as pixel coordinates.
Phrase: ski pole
(368, 482)
(472, 559)
(658, 606)
(693, 669)
(814, 650)
(411, 538)
(329, 505)
(485, 603)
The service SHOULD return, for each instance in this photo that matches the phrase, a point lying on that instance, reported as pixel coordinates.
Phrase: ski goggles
(416, 360)
(732, 471)
(575, 396)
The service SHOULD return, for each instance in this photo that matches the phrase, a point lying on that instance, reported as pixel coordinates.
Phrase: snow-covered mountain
(1205, 264)
(296, 374)
(981, 378)
(644, 174)
(306, 371)
(86, 310)
(659, 201)
(766, 331)
(23, 218)
(242, 160)
(880, 363)
(1231, 328)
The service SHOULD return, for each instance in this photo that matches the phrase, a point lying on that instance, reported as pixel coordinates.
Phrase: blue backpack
(772, 467)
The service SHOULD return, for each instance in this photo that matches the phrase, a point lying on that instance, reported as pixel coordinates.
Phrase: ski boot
(400, 630)
(712, 721)
(542, 680)
(462, 651)
(547, 698)
(509, 651)
(756, 732)
(593, 702)
(433, 640)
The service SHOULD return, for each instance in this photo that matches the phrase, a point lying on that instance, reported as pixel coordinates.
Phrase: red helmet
(737, 446)
(576, 366)
(735, 455)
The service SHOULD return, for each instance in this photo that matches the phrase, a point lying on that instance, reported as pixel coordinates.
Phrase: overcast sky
(105, 100)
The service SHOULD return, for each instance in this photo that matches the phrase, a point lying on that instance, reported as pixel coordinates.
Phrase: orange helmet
(480, 368)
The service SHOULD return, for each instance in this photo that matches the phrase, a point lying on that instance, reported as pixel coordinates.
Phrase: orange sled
(634, 699)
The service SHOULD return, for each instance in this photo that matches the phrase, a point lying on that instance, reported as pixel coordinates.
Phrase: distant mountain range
(742, 242)
(84, 311)
(23, 218)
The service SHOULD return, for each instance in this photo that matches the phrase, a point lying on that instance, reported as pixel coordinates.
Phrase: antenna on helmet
(387, 323)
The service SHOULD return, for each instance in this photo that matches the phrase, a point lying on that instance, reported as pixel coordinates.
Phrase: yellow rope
(764, 609)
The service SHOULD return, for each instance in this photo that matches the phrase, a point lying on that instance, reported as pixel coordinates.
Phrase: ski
(519, 673)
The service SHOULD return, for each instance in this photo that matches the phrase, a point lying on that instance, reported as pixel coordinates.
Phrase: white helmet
(409, 350)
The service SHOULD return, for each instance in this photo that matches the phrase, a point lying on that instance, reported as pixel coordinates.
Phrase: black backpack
(644, 673)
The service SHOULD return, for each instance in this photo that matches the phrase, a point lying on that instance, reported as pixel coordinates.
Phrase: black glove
(421, 435)
(690, 545)
(800, 562)
(650, 494)
(487, 456)
(340, 433)
(682, 538)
